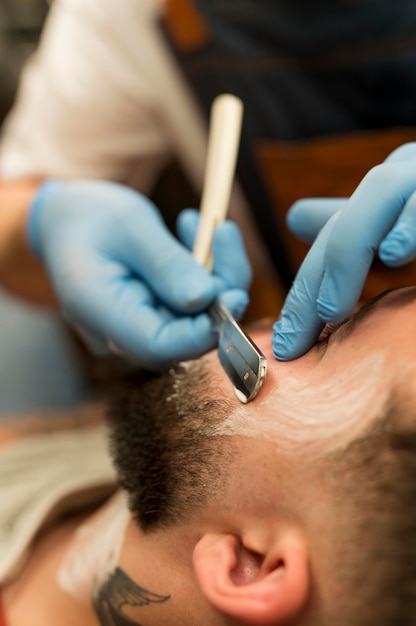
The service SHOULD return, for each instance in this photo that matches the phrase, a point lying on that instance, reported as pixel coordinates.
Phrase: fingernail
(389, 251)
(392, 247)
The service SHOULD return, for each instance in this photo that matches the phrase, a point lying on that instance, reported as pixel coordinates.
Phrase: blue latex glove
(380, 216)
(124, 281)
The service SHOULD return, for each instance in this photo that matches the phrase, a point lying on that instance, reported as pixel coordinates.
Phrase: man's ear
(266, 587)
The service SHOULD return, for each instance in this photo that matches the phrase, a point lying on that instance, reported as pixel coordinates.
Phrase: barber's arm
(121, 278)
(379, 218)
(20, 271)
(100, 250)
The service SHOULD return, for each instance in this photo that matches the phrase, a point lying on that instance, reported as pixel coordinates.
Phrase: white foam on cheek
(93, 554)
(177, 378)
(297, 413)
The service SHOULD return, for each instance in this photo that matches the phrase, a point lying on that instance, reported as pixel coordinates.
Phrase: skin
(326, 398)
(20, 271)
(267, 491)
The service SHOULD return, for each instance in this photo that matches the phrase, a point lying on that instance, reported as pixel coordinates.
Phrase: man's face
(306, 410)
(332, 394)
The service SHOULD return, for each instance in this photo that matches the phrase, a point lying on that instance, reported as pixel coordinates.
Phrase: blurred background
(42, 364)
(20, 25)
(39, 366)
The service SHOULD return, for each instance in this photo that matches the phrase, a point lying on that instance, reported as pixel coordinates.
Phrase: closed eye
(329, 329)
(353, 320)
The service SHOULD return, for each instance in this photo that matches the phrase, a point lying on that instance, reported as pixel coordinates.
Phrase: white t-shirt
(103, 98)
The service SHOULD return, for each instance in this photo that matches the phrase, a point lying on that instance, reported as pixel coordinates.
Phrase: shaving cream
(297, 413)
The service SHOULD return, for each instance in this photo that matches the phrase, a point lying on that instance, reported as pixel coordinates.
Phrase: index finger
(300, 324)
(368, 216)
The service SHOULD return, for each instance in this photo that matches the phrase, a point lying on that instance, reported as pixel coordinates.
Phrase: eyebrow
(363, 312)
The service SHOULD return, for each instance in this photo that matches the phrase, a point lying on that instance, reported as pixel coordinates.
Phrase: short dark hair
(163, 441)
(374, 502)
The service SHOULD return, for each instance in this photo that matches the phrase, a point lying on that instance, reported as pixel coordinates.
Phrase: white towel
(43, 476)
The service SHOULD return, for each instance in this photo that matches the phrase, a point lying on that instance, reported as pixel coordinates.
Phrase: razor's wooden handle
(223, 142)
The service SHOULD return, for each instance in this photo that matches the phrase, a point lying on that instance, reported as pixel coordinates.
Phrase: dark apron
(329, 90)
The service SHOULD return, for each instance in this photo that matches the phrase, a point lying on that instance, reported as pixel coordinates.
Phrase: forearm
(20, 271)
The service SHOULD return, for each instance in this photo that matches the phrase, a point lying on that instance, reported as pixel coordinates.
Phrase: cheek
(404, 417)
(320, 412)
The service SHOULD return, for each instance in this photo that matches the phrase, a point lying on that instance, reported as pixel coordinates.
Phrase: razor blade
(242, 361)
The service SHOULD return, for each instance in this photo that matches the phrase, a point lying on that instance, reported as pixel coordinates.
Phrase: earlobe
(264, 589)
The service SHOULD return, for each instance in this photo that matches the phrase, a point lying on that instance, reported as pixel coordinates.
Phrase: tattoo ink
(120, 594)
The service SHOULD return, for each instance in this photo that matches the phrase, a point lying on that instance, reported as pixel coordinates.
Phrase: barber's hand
(124, 281)
(379, 217)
